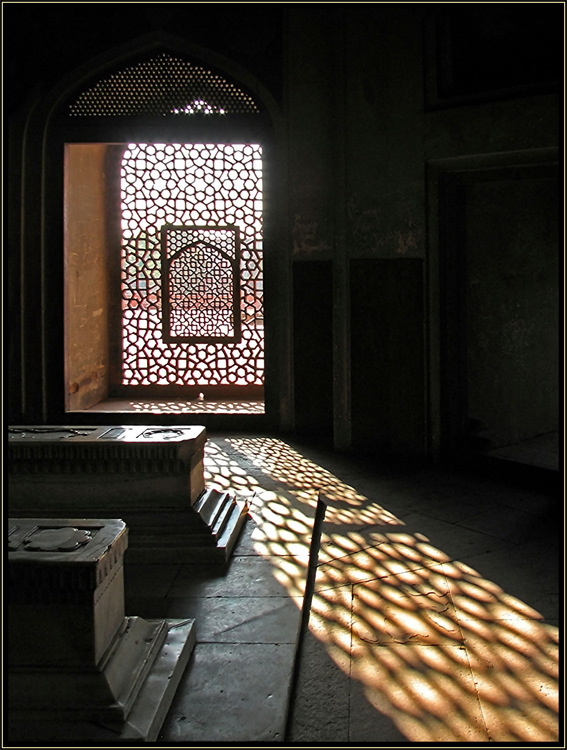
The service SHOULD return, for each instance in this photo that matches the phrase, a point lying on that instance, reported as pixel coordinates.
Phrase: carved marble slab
(97, 542)
(103, 450)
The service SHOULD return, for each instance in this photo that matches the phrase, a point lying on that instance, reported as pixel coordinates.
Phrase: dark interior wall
(387, 356)
(310, 117)
(386, 230)
(384, 130)
(41, 45)
(415, 90)
(14, 237)
(503, 116)
(512, 307)
(498, 48)
(313, 347)
(354, 112)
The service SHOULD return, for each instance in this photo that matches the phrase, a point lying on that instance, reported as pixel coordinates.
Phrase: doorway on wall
(163, 243)
(499, 308)
(164, 276)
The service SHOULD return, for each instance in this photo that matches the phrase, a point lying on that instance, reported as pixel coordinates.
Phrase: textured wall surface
(512, 300)
(387, 356)
(313, 347)
(86, 303)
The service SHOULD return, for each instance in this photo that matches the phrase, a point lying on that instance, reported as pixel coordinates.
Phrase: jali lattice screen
(161, 86)
(200, 284)
(212, 193)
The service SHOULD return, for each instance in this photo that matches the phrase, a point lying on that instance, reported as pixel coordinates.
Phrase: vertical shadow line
(306, 608)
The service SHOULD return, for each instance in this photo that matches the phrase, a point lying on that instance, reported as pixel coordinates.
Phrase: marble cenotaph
(78, 668)
(152, 477)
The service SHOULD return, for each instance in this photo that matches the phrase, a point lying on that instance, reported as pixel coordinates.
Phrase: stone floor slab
(249, 541)
(399, 610)
(380, 555)
(541, 451)
(530, 578)
(325, 690)
(232, 693)
(450, 509)
(381, 524)
(330, 622)
(240, 577)
(512, 525)
(457, 542)
(148, 579)
(366, 722)
(231, 619)
(519, 701)
(427, 692)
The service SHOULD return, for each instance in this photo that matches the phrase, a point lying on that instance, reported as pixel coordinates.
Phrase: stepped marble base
(146, 715)
(204, 537)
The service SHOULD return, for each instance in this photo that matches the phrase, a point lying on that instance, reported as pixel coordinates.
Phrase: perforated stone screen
(164, 85)
(200, 284)
(202, 188)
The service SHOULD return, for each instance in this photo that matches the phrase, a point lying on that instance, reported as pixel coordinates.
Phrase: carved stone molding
(62, 561)
(103, 450)
(64, 539)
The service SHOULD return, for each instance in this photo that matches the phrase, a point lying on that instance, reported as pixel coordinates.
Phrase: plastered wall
(86, 298)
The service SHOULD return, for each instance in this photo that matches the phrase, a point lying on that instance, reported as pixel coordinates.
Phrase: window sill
(176, 406)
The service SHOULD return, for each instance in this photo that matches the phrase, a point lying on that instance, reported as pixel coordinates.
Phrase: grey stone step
(223, 517)
(183, 535)
(210, 505)
(199, 548)
(235, 522)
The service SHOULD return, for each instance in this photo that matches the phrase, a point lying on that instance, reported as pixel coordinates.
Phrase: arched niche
(42, 387)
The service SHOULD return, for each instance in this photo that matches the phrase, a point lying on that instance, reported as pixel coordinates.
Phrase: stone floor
(542, 451)
(434, 616)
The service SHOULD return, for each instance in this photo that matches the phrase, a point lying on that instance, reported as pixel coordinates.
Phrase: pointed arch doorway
(196, 163)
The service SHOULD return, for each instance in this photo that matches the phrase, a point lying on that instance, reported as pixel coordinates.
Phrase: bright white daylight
(198, 185)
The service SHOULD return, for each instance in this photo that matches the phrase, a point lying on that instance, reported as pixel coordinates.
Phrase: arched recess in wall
(78, 248)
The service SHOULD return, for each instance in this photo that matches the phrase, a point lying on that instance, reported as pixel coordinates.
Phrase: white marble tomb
(150, 476)
(78, 668)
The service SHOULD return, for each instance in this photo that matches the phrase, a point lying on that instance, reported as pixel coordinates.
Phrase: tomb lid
(107, 433)
(79, 552)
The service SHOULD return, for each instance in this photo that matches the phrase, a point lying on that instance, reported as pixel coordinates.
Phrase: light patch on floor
(407, 607)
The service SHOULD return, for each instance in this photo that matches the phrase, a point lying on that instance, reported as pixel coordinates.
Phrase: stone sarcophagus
(78, 669)
(150, 476)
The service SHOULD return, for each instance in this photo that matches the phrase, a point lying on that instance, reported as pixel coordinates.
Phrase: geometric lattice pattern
(163, 85)
(200, 284)
(204, 186)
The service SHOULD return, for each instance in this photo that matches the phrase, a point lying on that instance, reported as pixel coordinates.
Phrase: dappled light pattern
(448, 655)
(306, 479)
(176, 406)
(200, 406)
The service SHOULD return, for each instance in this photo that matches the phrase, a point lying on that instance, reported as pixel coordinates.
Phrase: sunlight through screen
(203, 185)
(448, 655)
